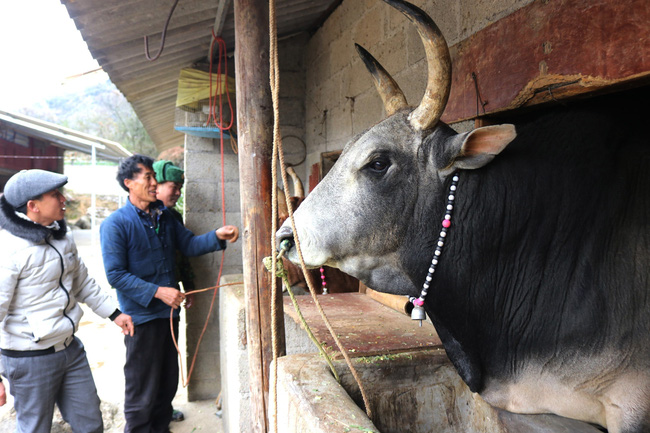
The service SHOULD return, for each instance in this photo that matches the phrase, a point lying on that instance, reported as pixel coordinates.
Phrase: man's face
(143, 185)
(169, 193)
(51, 207)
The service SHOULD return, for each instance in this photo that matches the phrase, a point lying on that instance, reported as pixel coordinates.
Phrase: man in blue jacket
(139, 243)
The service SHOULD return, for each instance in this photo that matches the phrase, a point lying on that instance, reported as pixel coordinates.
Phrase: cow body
(542, 291)
(541, 296)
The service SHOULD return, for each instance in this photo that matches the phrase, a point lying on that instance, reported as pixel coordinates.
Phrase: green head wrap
(166, 171)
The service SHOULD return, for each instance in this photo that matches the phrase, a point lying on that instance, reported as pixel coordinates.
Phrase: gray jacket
(42, 281)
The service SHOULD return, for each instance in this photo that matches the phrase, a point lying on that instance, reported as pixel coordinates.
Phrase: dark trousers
(151, 377)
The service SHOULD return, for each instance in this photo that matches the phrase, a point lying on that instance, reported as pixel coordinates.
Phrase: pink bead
(419, 302)
(324, 283)
(446, 223)
(322, 277)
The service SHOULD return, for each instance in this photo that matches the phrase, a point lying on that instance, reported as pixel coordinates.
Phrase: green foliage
(100, 110)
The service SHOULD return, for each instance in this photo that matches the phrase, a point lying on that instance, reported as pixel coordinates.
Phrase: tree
(99, 110)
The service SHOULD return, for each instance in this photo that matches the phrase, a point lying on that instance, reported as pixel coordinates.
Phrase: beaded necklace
(418, 311)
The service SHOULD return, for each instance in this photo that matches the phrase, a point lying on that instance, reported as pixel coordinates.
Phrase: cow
(540, 290)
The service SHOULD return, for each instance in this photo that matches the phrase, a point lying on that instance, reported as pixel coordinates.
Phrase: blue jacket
(140, 257)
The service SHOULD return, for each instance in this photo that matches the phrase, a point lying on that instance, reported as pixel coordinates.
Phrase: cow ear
(482, 144)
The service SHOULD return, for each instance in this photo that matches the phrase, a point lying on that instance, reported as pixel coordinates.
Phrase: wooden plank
(364, 326)
(550, 49)
(255, 122)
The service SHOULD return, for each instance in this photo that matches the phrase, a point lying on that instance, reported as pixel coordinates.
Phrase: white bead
(431, 270)
(451, 197)
(437, 253)
(455, 178)
(426, 285)
(453, 188)
(443, 234)
(434, 261)
(450, 207)
(440, 243)
(428, 278)
(447, 217)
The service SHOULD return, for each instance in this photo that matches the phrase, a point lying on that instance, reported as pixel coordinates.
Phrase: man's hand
(170, 296)
(189, 300)
(125, 322)
(228, 233)
(3, 394)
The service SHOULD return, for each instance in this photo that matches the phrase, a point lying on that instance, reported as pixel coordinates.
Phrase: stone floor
(105, 348)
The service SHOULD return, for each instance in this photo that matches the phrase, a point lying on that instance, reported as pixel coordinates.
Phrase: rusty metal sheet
(364, 326)
(550, 49)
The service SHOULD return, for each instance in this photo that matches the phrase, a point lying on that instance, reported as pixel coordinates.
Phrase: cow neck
(418, 303)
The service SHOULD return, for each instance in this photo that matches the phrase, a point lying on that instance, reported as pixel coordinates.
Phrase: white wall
(84, 179)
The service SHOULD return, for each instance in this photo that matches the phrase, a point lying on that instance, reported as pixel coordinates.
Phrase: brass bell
(418, 314)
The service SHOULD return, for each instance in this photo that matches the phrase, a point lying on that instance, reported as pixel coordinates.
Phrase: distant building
(26, 142)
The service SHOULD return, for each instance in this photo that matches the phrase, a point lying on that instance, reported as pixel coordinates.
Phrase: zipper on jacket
(67, 294)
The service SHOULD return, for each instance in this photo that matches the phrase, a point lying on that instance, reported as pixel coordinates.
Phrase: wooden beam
(550, 49)
(255, 128)
(223, 7)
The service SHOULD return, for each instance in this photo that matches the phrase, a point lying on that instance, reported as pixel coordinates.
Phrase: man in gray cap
(42, 281)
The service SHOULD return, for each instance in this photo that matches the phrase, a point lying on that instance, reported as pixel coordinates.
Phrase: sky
(40, 48)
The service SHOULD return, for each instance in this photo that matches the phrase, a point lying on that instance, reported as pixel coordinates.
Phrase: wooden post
(255, 127)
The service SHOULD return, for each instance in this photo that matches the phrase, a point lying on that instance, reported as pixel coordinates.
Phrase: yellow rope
(278, 153)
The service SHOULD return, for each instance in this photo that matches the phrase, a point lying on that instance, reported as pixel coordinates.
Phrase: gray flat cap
(28, 184)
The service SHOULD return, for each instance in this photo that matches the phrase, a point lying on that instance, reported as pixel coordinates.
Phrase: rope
(162, 37)
(282, 273)
(222, 128)
(278, 152)
(171, 324)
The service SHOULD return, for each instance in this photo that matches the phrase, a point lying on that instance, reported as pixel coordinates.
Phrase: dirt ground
(105, 349)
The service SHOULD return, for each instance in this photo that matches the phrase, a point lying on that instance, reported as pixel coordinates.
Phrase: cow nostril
(286, 245)
(284, 239)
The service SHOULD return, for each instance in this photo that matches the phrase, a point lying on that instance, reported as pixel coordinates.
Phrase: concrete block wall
(341, 100)
(292, 98)
(203, 213)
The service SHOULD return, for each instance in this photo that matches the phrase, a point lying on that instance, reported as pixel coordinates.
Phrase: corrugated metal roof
(114, 31)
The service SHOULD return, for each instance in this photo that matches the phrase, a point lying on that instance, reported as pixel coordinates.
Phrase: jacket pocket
(49, 325)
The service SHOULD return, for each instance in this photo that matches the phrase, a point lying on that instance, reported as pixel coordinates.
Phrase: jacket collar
(27, 229)
(153, 207)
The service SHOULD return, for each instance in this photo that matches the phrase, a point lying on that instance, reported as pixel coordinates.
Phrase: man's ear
(482, 144)
(32, 206)
(127, 182)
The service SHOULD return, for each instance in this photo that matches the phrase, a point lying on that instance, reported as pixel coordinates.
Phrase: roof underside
(114, 31)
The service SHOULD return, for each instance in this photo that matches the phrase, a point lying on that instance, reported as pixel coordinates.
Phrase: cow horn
(298, 190)
(390, 93)
(282, 203)
(433, 103)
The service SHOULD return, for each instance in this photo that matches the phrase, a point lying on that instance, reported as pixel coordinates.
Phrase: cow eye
(379, 165)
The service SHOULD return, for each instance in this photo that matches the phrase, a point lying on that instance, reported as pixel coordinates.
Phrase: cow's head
(377, 213)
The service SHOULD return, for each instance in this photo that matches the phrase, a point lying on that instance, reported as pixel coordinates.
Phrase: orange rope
(171, 324)
(212, 116)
